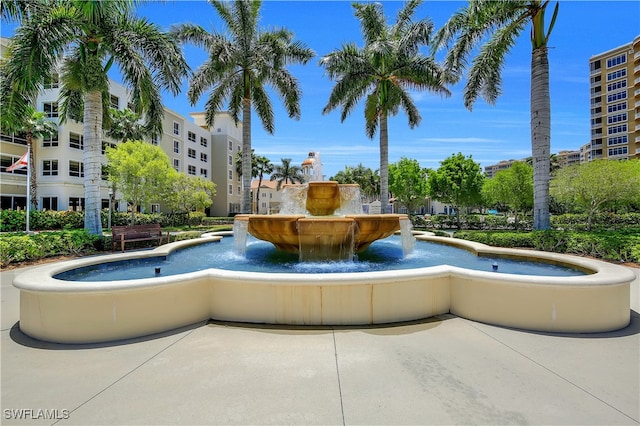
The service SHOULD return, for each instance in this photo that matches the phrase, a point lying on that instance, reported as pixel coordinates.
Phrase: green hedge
(617, 246)
(15, 220)
(20, 248)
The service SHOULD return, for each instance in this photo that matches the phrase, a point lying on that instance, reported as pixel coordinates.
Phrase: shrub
(617, 246)
(20, 248)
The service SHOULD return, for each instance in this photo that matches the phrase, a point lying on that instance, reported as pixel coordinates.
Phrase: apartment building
(192, 149)
(491, 170)
(568, 158)
(615, 102)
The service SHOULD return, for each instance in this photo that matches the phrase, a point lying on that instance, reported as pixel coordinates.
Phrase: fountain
(322, 221)
(317, 227)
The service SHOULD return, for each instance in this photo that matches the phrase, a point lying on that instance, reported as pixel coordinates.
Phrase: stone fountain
(322, 220)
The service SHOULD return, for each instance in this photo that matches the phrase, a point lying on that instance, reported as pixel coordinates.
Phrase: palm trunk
(33, 181)
(540, 137)
(92, 155)
(384, 163)
(246, 156)
(258, 194)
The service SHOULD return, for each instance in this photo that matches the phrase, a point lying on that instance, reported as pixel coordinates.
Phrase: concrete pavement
(443, 370)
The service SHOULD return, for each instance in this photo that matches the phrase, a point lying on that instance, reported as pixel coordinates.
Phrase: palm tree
(259, 167)
(286, 173)
(502, 22)
(240, 67)
(93, 35)
(37, 125)
(384, 71)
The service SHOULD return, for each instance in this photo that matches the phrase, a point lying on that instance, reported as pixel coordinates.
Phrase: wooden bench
(131, 233)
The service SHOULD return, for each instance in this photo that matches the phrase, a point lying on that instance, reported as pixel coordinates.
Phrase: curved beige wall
(83, 312)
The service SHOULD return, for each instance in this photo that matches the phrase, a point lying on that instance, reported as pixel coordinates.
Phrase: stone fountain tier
(331, 228)
(322, 237)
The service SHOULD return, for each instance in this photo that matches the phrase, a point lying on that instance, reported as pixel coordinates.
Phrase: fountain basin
(86, 312)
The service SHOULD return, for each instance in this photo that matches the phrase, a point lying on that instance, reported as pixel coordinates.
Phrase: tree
(35, 124)
(191, 193)
(125, 125)
(408, 183)
(500, 23)
(367, 179)
(384, 71)
(512, 187)
(286, 173)
(142, 172)
(240, 67)
(260, 166)
(458, 181)
(596, 184)
(90, 36)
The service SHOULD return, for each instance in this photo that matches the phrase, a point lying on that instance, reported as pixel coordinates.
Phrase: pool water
(261, 256)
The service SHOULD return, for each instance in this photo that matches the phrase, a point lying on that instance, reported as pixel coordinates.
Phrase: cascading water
(240, 235)
(408, 240)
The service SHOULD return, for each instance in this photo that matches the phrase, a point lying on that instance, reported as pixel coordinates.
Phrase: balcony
(636, 55)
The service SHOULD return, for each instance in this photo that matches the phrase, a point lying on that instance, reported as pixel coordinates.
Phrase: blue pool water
(262, 257)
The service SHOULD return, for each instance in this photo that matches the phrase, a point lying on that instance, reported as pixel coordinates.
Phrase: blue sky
(488, 133)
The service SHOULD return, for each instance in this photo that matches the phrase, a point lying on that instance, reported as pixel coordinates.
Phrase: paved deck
(444, 370)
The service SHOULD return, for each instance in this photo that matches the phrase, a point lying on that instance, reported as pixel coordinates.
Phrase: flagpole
(28, 184)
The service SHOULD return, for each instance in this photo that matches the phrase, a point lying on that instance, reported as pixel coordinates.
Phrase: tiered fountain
(322, 220)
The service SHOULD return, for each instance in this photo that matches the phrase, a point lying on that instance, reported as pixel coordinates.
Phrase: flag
(21, 163)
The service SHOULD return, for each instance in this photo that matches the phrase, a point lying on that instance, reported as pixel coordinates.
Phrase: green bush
(20, 248)
(617, 246)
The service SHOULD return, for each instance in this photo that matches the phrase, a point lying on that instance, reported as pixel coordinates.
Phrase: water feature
(260, 256)
(354, 272)
(323, 221)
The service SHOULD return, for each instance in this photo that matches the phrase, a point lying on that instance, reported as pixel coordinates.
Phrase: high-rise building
(615, 102)
(192, 149)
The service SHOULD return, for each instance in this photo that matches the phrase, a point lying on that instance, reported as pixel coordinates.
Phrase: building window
(76, 169)
(191, 153)
(76, 203)
(619, 150)
(155, 208)
(204, 173)
(230, 189)
(622, 106)
(50, 141)
(49, 167)
(76, 141)
(231, 160)
(617, 74)
(595, 66)
(230, 174)
(230, 146)
(620, 128)
(176, 128)
(114, 101)
(617, 118)
(51, 109)
(617, 85)
(204, 142)
(154, 140)
(191, 136)
(203, 157)
(616, 96)
(191, 170)
(49, 203)
(105, 145)
(617, 140)
(176, 147)
(176, 164)
(617, 60)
